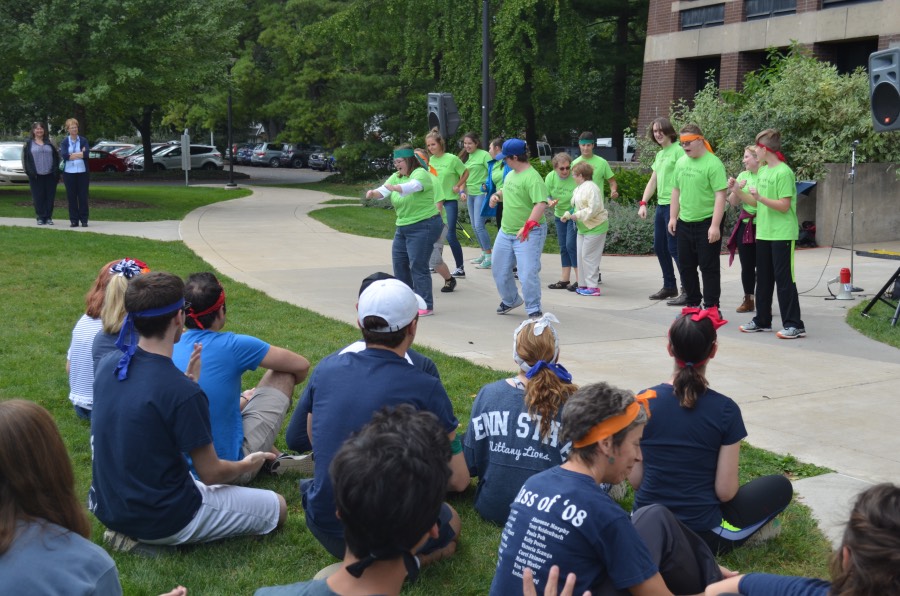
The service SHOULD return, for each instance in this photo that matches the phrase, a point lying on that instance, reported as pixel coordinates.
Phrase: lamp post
(231, 183)
(485, 74)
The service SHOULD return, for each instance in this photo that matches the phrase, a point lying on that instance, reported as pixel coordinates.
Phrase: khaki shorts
(262, 419)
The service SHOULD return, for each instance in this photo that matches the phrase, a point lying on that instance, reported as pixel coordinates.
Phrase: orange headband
(612, 425)
(689, 138)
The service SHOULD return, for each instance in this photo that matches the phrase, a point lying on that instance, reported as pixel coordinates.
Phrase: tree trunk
(620, 84)
(143, 127)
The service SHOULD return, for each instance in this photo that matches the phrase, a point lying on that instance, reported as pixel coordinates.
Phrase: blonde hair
(71, 121)
(113, 312)
(545, 393)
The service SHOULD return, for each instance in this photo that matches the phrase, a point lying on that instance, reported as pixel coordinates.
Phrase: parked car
(203, 157)
(110, 146)
(322, 161)
(138, 152)
(574, 152)
(296, 155)
(104, 161)
(11, 169)
(267, 154)
(605, 149)
(245, 155)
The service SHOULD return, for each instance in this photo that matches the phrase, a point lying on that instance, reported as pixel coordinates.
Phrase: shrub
(628, 234)
(631, 184)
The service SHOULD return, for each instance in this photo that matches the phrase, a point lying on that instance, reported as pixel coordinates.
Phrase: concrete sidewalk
(827, 399)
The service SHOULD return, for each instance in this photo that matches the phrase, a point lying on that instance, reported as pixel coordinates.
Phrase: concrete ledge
(831, 498)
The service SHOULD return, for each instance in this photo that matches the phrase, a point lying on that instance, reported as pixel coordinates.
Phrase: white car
(11, 169)
(203, 157)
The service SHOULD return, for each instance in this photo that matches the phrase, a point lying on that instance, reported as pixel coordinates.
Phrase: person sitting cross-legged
(389, 483)
(248, 422)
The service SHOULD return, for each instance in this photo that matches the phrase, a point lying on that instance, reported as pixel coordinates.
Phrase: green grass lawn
(877, 325)
(43, 279)
(123, 203)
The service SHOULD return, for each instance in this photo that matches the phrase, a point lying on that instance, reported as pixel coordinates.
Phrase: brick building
(688, 38)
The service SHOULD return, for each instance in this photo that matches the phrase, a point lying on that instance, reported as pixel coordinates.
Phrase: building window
(763, 9)
(706, 16)
(833, 3)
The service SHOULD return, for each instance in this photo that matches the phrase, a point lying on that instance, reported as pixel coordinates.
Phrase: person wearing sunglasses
(561, 185)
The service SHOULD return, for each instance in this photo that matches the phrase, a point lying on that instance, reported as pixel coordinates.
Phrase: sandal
(560, 285)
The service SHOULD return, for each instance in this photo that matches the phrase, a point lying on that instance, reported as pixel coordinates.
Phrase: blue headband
(558, 369)
(127, 340)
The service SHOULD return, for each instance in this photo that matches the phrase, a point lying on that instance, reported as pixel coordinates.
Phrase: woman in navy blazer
(74, 150)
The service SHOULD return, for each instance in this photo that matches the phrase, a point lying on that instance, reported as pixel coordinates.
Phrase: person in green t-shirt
(743, 236)
(561, 185)
(520, 240)
(450, 187)
(411, 190)
(661, 182)
(695, 216)
(775, 197)
(602, 172)
(476, 162)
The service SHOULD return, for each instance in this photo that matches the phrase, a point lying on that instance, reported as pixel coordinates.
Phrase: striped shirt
(81, 362)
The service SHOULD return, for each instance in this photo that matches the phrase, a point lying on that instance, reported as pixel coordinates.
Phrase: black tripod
(880, 296)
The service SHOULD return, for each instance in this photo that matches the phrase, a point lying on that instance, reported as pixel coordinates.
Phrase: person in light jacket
(592, 220)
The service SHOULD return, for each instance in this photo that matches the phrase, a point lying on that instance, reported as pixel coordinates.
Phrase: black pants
(775, 268)
(755, 504)
(696, 251)
(77, 193)
(43, 193)
(686, 563)
(747, 255)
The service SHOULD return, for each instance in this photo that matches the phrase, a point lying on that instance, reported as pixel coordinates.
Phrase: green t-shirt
(449, 168)
(602, 171)
(751, 179)
(561, 190)
(497, 175)
(664, 166)
(477, 166)
(417, 206)
(521, 192)
(776, 183)
(698, 179)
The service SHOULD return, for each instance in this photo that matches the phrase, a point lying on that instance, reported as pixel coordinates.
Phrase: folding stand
(880, 296)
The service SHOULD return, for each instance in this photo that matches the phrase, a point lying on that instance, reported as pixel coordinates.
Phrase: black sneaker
(680, 300)
(505, 308)
(449, 285)
(48, 221)
(535, 315)
(573, 287)
(298, 464)
(459, 272)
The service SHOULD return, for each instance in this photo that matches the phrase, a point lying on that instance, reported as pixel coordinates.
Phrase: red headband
(711, 313)
(219, 303)
(778, 154)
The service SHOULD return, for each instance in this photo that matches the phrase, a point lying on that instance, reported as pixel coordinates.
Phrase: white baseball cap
(393, 301)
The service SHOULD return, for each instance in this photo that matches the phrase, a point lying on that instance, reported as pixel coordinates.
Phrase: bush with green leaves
(631, 184)
(818, 111)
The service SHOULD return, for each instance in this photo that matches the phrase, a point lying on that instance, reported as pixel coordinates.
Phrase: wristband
(455, 446)
(643, 203)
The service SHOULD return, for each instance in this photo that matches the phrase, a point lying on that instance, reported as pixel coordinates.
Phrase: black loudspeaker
(884, 89)
(442, 113)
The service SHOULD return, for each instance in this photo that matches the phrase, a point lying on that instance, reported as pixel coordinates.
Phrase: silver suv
(203, 157)
(267, 154)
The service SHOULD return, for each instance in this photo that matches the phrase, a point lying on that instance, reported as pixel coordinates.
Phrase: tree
(109, 68)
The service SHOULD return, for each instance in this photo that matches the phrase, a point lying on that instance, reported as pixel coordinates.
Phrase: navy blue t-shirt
(680, 449)
(564, 518)
(764, 584)
(140, 428)
(503, 447)
(342, 394)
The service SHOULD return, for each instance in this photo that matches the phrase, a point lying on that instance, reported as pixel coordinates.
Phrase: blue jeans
(83, 413)
(476, 202)
(509, 252)
(410, 253)
(566, 235)
(665, 245)
(452, 209)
